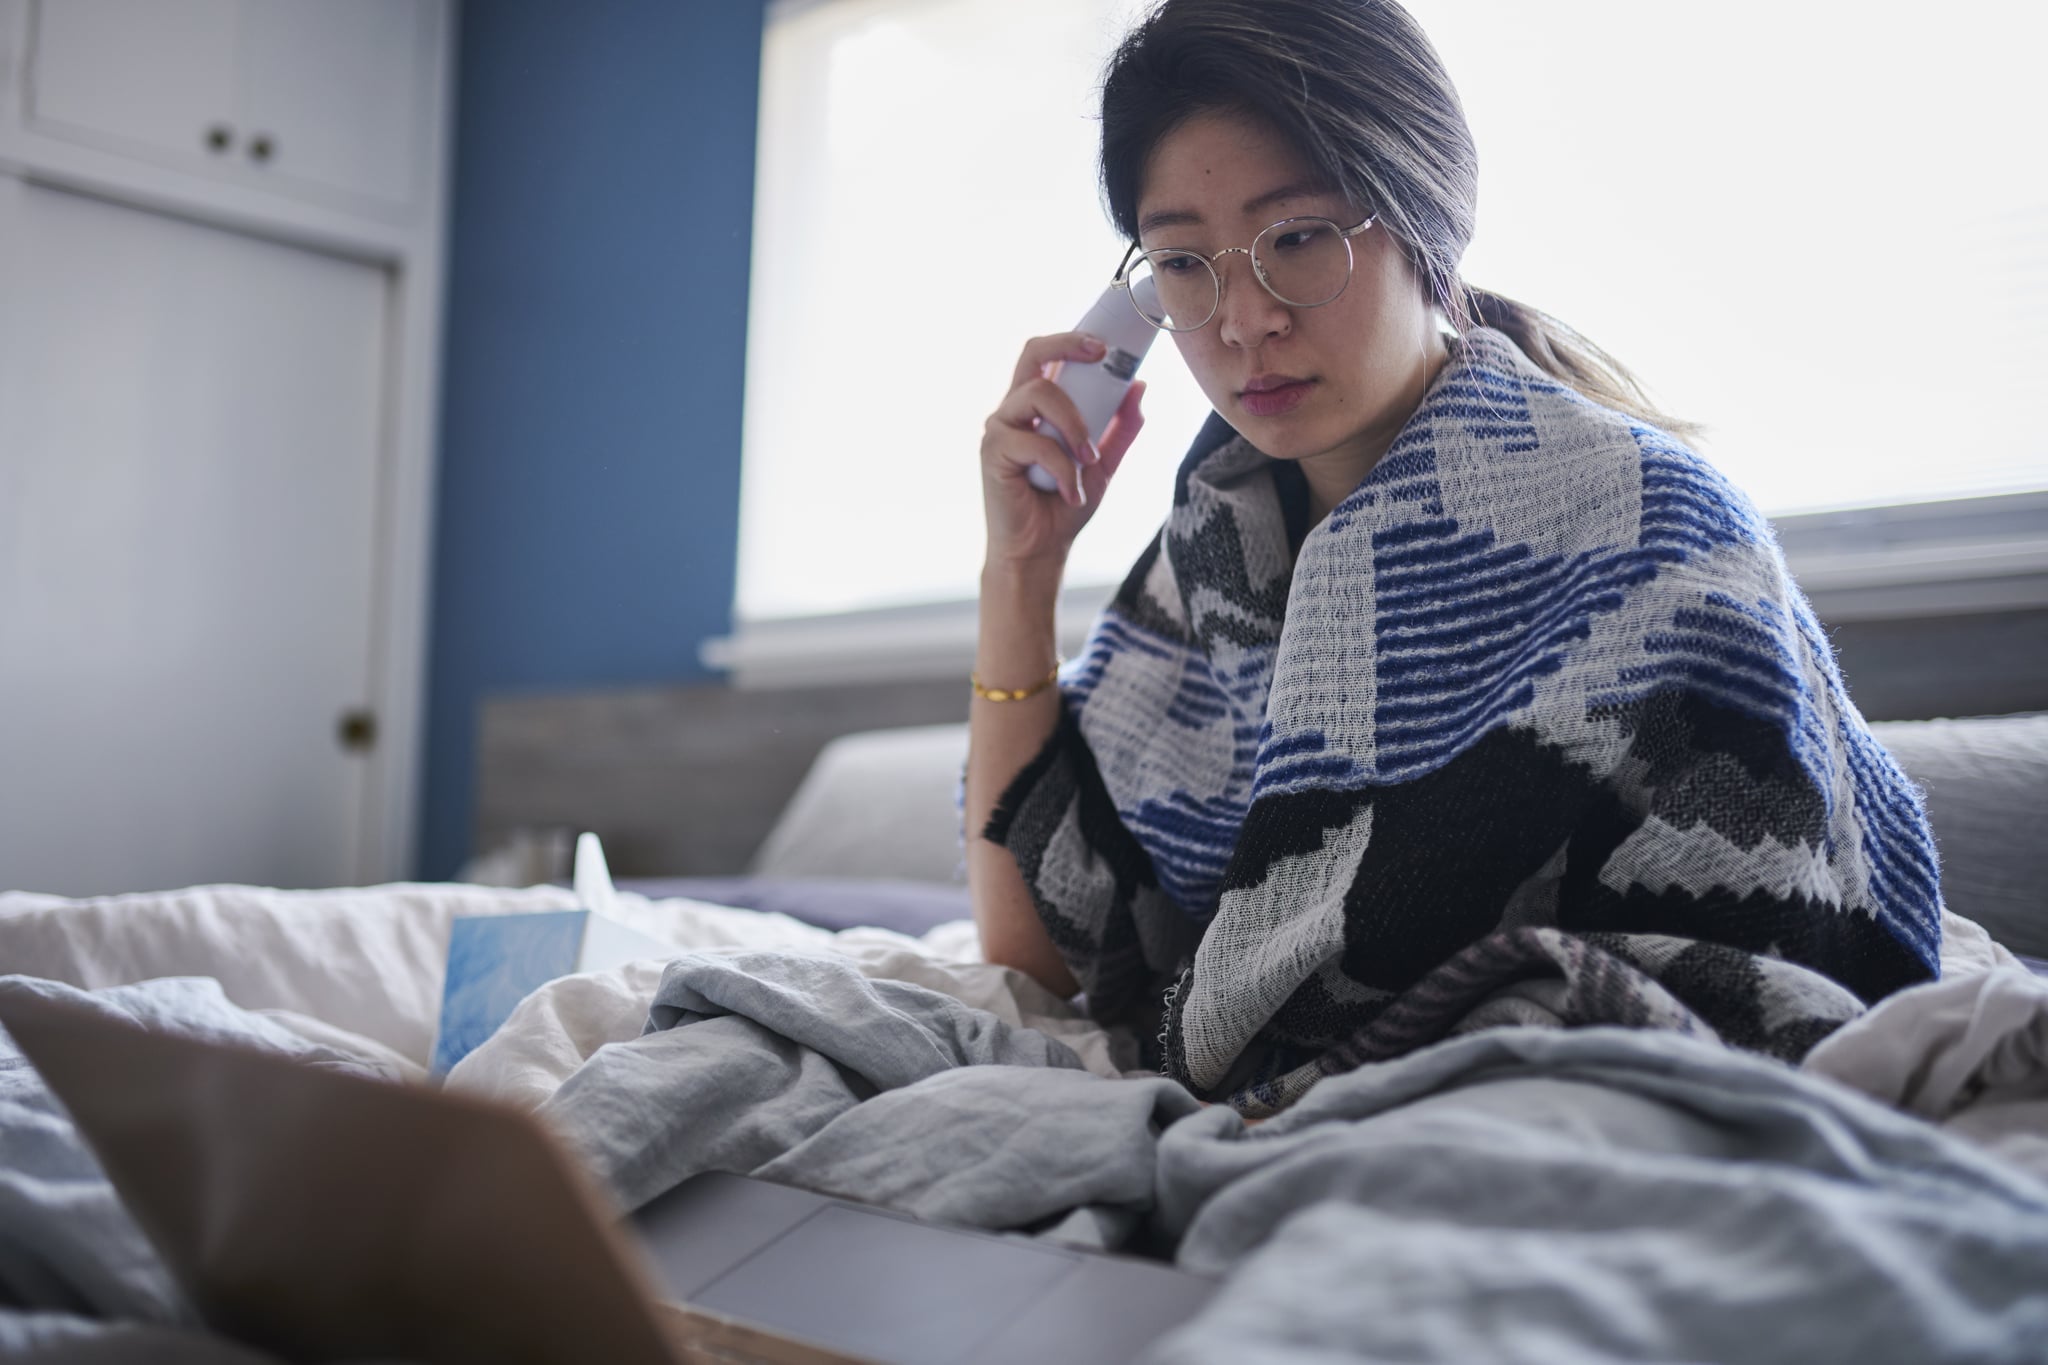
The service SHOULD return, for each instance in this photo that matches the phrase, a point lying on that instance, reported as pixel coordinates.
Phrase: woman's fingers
(1123, 429)
(1037, 423)
(1019, 450)
(1040, 352)
(1041, 404)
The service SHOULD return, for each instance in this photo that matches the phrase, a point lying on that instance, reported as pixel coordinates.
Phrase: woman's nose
(1247, 315)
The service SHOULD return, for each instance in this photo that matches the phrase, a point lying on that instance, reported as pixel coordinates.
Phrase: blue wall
(588, 513)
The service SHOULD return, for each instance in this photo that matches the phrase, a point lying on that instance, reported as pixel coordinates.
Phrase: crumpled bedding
(365, 962)
(1977, 1065)
(558, 1028)
(349, 975)
(1522, 1194)
(1600, 1195)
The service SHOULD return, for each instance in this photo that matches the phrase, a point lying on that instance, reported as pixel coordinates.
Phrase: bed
(1513, 1194)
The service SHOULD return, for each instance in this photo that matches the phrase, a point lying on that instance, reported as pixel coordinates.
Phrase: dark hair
(1356, 88)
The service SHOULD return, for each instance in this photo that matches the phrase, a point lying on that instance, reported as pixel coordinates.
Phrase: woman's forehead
(1221, 170)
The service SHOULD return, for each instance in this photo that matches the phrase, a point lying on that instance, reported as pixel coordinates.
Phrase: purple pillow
(828, 902)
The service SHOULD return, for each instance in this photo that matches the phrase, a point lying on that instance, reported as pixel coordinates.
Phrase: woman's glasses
(1303, 262)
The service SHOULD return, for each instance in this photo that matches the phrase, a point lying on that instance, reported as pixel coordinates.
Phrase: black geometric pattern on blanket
(1632, 980)
(1537, 702)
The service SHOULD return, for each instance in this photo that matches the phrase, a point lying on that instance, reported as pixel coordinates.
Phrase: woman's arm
(1029, 534)
(1016, 649)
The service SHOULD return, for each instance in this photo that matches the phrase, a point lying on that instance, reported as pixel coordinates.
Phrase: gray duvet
(1516, 1194)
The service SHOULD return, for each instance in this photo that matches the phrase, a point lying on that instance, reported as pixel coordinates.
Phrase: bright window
(1820, 229)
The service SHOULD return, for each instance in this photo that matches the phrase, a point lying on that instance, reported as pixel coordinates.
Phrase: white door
(190, 427)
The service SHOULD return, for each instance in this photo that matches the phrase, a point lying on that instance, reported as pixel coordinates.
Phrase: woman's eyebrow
(1299, 189)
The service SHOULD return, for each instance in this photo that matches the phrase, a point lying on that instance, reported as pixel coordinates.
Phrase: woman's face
(1349, 372)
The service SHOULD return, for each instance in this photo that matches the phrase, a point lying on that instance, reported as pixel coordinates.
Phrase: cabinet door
(190, 428)
(335, 91)
(317, 98)
(150, 75)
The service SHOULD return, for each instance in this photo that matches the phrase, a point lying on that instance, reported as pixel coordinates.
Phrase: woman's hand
(1025, 524)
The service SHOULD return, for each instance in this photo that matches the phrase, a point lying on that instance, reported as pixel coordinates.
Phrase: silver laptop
(885, 1286)
(325, 1216)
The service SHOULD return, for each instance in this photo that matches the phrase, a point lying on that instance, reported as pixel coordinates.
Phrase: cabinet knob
(357, 730)
(219, 138)
(262, 147)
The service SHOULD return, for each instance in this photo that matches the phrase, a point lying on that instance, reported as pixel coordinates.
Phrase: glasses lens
(1182, 295)
(1305, 261)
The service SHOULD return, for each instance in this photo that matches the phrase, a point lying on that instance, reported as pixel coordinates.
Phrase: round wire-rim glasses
(1152, 259)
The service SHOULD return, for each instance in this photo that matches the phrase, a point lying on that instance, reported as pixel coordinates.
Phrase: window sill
(1987, 554)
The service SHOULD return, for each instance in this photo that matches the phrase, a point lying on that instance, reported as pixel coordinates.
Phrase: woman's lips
(1273, 402)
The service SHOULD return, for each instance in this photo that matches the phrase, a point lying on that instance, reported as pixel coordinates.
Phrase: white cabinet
(140, 74)
(217, 380)
(336, 90)
(322, 98)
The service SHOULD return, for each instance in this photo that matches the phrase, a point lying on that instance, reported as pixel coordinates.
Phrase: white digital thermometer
(1098, 388)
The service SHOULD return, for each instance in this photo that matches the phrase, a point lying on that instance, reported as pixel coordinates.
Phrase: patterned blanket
(1534, 723)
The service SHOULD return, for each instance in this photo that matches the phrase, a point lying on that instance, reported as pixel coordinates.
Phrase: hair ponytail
(1564, 353)
(1356, 88)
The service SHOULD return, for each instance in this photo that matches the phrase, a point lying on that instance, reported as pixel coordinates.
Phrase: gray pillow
(1986, 780)
(874, 804)
(880, 805)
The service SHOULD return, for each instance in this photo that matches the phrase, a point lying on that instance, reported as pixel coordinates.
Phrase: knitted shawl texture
(1535, 727)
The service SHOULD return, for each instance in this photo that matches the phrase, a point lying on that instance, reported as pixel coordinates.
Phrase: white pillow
(366, 960)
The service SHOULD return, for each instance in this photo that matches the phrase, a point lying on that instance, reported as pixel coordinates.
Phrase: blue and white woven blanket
(1535, 725)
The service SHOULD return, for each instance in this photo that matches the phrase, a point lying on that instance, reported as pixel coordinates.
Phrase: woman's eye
(1175, 265)
(1294, 241)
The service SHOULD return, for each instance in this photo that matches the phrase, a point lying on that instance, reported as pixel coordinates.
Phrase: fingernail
(1094, 455)
(1092, 344)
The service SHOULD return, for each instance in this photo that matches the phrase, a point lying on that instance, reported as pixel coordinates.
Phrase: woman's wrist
(1018, 636)
(1022, 580)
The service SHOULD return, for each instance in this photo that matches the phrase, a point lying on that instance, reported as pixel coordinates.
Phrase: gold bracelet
(1013, 693)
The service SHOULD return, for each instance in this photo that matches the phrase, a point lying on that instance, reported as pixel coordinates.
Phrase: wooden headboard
(677, 781)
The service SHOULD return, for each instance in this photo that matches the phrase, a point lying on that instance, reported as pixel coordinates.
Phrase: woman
(1456, 690)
